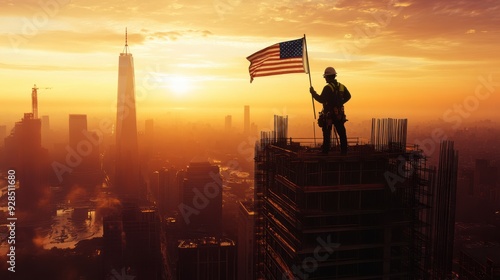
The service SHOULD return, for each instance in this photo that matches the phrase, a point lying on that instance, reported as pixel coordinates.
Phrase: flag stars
(291, 49)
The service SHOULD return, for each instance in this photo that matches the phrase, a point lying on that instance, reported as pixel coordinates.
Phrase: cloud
(72, 41)
(45, 67)
(434, 30)
(174, 35)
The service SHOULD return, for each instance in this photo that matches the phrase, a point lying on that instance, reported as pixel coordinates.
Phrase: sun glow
(178, 85)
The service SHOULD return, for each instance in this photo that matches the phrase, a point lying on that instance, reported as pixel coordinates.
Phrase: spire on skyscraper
(125, 50)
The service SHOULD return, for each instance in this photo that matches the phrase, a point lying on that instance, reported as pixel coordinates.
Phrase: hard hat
(330, 71)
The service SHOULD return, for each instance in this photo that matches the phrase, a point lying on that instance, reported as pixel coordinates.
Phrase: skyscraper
(127, 181)
(131, 238)
(77, 127)
(207, 258)
(378, 213)
(228, 123)
(29, 160)
(45, 122)
(88, 171)
(168, 190)
(202, 199)
(246, 217)
(47, 140)
(246, 119)
(3, 134)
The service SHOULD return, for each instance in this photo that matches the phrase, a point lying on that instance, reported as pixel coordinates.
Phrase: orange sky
(398, 59)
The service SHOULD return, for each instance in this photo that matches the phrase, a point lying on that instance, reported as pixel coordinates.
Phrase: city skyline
(427, 60)
(169, 164)
(229, 162)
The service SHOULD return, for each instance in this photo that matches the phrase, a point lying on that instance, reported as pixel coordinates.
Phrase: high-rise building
(201, 206)
(84, 143)
(246, 242)
(207, 258)
(127, 178)
(246, 119)
(168, 190)
(228, 123)
(30, 162)
(141, 228)
(47, 137)
(131, 237)
(45, 122)
(377, 213)
(113, 240)
(3, 134)
(253, 129)
(77, 129)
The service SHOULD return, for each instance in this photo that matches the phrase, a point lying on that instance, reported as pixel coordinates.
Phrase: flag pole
(309, 72)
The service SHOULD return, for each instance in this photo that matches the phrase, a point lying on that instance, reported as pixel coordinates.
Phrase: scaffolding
(376, 205)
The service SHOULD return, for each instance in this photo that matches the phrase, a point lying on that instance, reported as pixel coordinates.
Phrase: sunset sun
(178, 85)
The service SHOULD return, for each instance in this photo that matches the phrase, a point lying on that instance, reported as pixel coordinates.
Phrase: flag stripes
(281, 58)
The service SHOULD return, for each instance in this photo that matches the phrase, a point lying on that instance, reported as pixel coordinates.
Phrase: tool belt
(336, 115)
(324, 119)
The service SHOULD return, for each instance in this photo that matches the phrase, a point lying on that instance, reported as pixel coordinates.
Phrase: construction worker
(333, 97)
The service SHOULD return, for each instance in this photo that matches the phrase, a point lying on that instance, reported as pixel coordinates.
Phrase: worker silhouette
(333, 97)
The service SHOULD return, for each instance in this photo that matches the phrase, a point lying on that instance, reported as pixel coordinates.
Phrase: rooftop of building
(307, 149)
(300, 165)
(205, 242)
(388, 136)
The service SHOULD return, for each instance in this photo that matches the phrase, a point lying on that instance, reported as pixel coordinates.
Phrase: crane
(34, 100)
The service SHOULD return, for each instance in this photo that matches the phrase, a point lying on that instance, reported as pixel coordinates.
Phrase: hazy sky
(437, 59)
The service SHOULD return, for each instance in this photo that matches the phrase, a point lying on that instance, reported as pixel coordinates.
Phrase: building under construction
(378, 213)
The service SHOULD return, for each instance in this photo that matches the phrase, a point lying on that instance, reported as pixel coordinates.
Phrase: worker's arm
(347, 95)
(316, 96)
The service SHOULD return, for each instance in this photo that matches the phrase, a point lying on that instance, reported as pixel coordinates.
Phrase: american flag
(281, 58)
